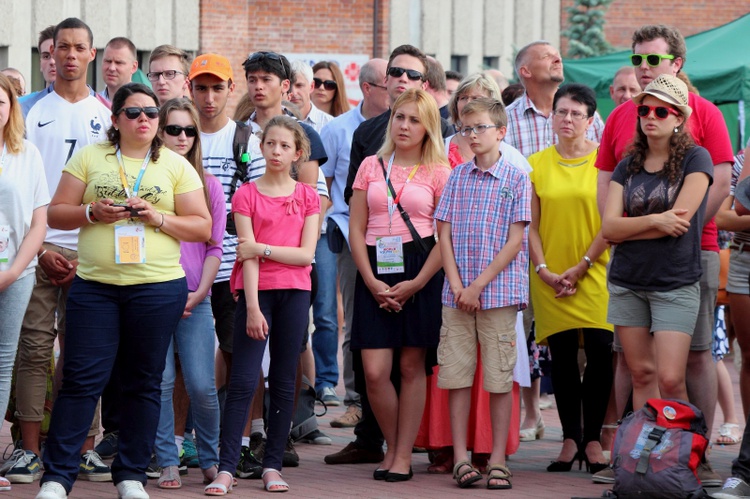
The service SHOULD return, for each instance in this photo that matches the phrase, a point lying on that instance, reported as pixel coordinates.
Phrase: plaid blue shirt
(481, 206)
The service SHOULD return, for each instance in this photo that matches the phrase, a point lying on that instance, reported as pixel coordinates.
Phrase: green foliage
(586, 32)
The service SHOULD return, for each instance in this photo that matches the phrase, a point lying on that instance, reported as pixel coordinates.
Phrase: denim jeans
(286, 312)
(104, 322)
(13, 303)
(195, 346)
(325, 340)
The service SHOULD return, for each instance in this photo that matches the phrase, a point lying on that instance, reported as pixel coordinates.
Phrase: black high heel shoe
(562, 466)
(592, 468)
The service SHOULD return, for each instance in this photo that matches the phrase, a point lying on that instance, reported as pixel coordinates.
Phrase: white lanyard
(2, 158)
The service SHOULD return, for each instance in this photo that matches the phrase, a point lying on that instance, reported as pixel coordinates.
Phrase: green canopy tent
(718, 64)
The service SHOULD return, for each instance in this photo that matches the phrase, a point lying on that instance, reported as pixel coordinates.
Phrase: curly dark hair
(679, 144)
(118, 102)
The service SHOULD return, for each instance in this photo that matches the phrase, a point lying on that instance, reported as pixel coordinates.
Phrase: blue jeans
(286, 312)
(13, 303)
(325, 340)
(104, 322)
(195, 346)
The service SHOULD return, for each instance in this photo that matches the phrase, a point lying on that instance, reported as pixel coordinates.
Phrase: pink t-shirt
(706, 125)
(417, 198)
(277, 221)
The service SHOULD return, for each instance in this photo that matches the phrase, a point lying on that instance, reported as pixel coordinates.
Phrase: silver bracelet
(40, 255)
(540, 267)
(588, 261)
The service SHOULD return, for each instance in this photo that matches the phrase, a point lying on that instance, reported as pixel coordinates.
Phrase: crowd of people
(467, 224)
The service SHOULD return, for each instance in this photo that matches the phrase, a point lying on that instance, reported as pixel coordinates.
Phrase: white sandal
(531, 434)
(219, 488)
(274, 483)
(726, 431)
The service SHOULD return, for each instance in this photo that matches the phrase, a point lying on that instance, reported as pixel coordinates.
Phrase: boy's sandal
(729, 434)
(219, 489)
(274, 483)
(498, 472)
(463, 479)
(169, 478)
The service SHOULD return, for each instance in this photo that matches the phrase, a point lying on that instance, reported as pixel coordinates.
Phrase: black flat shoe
(399, 477)
(379, 474)
(563, 466)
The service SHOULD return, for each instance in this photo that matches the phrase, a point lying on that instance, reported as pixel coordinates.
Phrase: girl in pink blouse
(279, 218)
(398, 286)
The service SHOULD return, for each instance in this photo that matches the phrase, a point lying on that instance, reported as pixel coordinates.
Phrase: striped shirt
(530, 131)
(481, 206)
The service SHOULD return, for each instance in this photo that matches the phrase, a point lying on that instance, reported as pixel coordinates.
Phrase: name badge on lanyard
(130, 238)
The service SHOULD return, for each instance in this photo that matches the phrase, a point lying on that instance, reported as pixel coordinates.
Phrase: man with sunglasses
(61, 122)
(406, 68)
(657, 50)
(299, 94)
(337, 139)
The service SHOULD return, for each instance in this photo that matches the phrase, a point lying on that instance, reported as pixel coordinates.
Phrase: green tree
(585, 33)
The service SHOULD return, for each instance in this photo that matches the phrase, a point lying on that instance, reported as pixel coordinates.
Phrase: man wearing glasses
(661, 50)
(168, 73)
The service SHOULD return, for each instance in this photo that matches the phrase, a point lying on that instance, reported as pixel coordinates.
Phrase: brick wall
(624, 16)
(235, 28)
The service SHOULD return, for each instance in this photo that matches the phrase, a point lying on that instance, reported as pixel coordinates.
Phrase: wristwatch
(267, 251)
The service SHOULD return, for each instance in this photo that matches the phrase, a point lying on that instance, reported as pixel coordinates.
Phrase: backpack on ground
(657, 450)
(241, 159)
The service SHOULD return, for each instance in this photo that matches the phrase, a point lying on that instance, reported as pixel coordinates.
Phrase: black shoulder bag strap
(414, 234)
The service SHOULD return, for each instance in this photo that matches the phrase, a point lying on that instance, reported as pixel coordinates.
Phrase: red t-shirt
(277, 221)
(706, 125)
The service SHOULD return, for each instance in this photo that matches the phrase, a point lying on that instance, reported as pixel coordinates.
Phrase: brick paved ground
(314, 479)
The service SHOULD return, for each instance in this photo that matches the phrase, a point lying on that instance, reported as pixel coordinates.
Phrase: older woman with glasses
(330, 93)
(133, 201)
(568, 286)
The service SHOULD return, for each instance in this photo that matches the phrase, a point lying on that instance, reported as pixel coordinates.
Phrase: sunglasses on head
(132, 113)
(653, 60)
(327, 84)
(176, 130)
(660, 112)
(258, 57)
(412, 74)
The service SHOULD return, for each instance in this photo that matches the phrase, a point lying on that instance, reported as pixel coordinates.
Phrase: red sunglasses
(660, 112)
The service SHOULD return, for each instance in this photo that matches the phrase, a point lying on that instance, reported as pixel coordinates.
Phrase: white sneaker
(52, 490)
(131, 489)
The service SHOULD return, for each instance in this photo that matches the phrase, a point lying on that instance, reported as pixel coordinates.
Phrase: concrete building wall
(145, 22)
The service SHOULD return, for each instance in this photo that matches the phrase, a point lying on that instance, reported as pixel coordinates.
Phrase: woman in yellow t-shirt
(133, 201)
(568, 287)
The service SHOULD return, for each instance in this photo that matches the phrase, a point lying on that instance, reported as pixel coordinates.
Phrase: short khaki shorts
(495, 331)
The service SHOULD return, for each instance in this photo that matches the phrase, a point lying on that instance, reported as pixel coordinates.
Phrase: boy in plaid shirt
(482, 221)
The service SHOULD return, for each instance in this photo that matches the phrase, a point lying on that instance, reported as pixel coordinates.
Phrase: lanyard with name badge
(130, 239)
(389, 250)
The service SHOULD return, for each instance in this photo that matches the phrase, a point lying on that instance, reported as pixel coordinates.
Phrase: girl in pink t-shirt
(279, 218)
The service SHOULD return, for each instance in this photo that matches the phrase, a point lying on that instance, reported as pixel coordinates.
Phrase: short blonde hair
(476, 80)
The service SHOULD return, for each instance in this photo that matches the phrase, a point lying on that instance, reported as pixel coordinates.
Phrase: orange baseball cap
(213, 64)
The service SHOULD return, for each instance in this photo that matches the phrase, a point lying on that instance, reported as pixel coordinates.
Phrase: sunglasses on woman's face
(132, 113)
(327, 84)
(176, 130)
(660, 112)
(412, 74)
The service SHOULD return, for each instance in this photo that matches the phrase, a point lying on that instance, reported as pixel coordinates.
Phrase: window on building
(490, 62)
(460, 64)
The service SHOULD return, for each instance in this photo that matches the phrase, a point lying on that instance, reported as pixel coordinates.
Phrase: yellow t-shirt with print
(96, 165)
